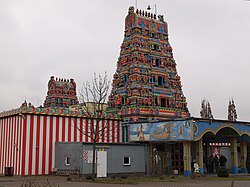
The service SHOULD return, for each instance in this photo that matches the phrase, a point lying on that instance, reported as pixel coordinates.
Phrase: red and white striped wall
(27, 142)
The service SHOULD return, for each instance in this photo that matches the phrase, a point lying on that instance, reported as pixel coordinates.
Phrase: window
(160, 81)
(163, 102)
(126, 78)
(151, 79)
(157, 62)
(67, 161)
(126, 161)
(156, 47)
(156, 101)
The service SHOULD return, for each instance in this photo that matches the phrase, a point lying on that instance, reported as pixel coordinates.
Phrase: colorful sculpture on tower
(61, 93)
(146, 84)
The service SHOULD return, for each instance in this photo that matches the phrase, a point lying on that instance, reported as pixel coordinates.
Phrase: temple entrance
(160, 161)
(225, 149)
(167, 158)
(177, 157)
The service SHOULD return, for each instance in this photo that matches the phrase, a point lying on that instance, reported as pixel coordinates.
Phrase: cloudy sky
(75, 38)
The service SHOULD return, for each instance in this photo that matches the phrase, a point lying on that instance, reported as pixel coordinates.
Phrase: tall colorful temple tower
(146, 85)
(61, 93)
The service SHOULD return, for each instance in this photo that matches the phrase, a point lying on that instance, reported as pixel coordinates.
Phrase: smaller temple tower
(61, 93)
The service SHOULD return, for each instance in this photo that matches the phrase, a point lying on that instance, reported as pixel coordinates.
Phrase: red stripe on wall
(31, 144)
(91, 130)
(1, 146)
(97, 130)
(108, 130)
(3, 142)
(118, 131)
(1, 136)
(57, 129)
(86, 130)
(37, 144)
(14, 143)
(19, 144)
(44, 144)
(11, 141)
(69, 129)
(113, 131)
(63, 129)
(7, 143)
(81, 133)
(50, 143)
(103, 126)
(75, 129)
(24, 145)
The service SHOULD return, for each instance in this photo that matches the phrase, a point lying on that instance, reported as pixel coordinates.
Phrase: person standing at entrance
(216, 162)
(223, 161)
(211, 164)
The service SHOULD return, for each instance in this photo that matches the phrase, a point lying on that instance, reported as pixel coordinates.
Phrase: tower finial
(131, 10)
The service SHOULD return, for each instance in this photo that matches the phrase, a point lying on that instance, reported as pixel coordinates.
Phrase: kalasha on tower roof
(61, 93)
(146, 84)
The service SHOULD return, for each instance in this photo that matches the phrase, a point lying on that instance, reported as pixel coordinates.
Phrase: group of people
(215, 162)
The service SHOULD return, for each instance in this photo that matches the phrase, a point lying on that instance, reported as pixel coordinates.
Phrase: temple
(146, 85)
(61, 93)
(147, 128)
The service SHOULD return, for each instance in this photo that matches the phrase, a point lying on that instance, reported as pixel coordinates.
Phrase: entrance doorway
(219, 145)
(177, 156)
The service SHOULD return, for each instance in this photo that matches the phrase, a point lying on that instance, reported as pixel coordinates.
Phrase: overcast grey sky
(75, 38)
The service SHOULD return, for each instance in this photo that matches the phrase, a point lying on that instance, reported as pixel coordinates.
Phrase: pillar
(199, 155)
(187, 158)
(234, 155)
(151, 160)
(243, 157)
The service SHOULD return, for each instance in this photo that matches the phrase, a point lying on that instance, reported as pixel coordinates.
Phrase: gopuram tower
(146, 85)
(61, 93)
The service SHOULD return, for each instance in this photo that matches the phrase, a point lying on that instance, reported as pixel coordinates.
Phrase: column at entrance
(243, 157)
(187, 158)
(234, 154)
(199, 154)
(151, 159)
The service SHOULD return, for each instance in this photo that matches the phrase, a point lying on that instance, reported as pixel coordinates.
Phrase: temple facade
(61, 93)
(146, 107)
(146, 85)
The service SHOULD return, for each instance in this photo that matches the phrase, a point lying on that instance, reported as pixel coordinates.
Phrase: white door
(101, 163)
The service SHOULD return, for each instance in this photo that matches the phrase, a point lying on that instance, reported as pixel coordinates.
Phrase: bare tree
(93, 96)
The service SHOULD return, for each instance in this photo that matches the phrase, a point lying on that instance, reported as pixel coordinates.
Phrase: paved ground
(54, 181)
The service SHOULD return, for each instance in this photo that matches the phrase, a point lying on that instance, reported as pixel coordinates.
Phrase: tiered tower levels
(146, 84)
(61, 93)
